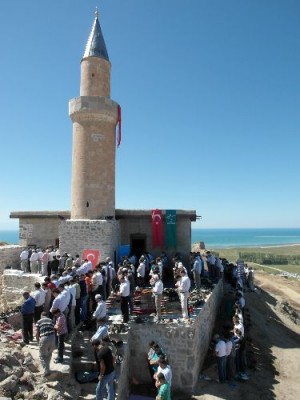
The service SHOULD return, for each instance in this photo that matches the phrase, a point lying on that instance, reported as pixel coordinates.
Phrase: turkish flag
(91, 255)
(157, 228)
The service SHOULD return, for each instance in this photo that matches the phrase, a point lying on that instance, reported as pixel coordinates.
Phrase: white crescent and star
(156, 218)
(90, 255)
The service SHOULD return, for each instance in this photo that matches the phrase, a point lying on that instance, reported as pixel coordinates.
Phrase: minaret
(94, 117)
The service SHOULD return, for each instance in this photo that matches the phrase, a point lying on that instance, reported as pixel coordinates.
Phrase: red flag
(91, 255)
(119, 126)
(157, 229)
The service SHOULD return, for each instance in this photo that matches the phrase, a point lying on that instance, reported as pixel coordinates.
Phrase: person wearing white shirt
(34, 262)
(102, 331)
(196, 270)
(184, 285)
(44, 263)
(100, 311)
(24, 260)
(220, 351)
(72, 304)
(39, 296)
(141, 271)
(124, 292)
(157, 291)
(211, 260)
(165, 369)
(57, 302)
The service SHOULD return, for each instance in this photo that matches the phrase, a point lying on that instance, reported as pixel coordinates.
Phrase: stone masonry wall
(142, 225)
(185, 345)
(41, 232)
(78, 235)
(10, 256)
(13, 284)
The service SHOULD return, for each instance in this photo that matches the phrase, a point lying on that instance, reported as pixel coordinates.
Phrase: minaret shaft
(94, 117)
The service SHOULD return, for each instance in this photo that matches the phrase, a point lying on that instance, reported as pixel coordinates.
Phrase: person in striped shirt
(45, 336)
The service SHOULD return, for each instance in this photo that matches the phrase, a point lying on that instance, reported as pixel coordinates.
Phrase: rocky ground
(273, 353)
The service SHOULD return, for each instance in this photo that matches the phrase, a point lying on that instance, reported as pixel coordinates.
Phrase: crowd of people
(230, 344)
(160, 371)
(73, 292)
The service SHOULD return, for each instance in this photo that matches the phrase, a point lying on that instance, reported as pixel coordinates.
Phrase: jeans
(83, 314)
(106, 382)
(221, 361)
(61, 346)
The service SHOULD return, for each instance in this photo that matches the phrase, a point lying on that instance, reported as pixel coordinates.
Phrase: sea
(220, 238)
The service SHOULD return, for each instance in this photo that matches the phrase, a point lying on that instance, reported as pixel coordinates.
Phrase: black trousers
(37, 313)
(124, 308)
(27, 330)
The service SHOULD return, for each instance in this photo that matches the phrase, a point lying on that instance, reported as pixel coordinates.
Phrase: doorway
(138, 244)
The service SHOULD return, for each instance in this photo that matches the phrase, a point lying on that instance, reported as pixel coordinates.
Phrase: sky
(210, 97)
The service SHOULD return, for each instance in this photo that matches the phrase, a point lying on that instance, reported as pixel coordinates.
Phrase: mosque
(93, 222)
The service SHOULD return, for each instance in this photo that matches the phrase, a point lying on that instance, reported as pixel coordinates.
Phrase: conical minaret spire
(95, 46)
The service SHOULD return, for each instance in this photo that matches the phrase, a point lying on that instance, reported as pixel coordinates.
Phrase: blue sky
(210, 96)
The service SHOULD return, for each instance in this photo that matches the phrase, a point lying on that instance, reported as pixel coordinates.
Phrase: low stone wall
(10, 256)
(13, 284)
(185, 345)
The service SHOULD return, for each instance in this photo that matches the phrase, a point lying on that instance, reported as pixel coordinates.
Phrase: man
(27, 311)
(124, 294)
(45, 336)
(100, 311)
(107, 372)
(34, 262)
(61, 332)
(196, 270)
(102, 331)
(84, 296)
(165, 369)
(109, 274)
(251, 279)
(48, 297)
(157, 291)
(39, 296)
(24, 260)
(75, 284)
(211, 261)
(220, 351)
(141, 272)
(164, 390)
(183, 285)
(72, 305)
(44, 263)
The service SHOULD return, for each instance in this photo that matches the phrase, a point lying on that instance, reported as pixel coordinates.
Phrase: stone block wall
(78, 235)
(10, 256)
(143, 225)
(13, 284)
(41, 232)
(185, 345)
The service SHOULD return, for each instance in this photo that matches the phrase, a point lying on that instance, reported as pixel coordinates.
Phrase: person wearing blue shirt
(27, 311)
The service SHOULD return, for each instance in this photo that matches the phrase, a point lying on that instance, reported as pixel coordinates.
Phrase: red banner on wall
(91, 255)
(157, 229)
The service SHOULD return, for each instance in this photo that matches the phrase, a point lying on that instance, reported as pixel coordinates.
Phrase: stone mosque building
(93, 222)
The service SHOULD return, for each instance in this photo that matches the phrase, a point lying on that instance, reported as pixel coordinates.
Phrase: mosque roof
(95, 46)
